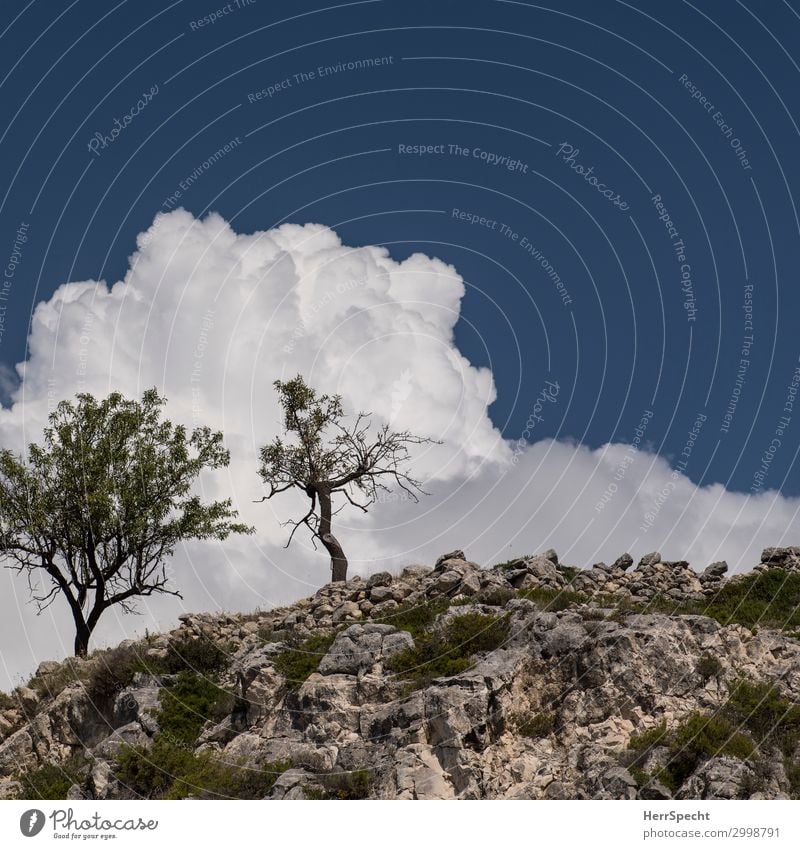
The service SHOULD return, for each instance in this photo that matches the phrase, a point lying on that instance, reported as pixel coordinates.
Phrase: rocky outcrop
(554, 711)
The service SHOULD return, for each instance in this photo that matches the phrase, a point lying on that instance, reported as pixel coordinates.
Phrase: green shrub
(111, 672)
(201, 656)
(569, 572)
(188, 705)
(770, 598)
(508, 564)
(708, 666)
(648, 739)
(448, 650)
(416, 618)
(496, 596)
(537, 725)
(51, 781)
(168, 771)
(49, 686)
(296, 664)
(700, 737)
(7, 702)
(341, 785)
(767, 714)
(553, 600)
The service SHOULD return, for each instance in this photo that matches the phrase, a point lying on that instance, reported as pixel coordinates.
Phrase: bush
(112, 672)
(508, 564)
(699, 738)
(51, 781)
(770, 599)
(344, 785)
(553, 600)
(201, 656)
(448, 651)
(49, 686)
(188, 705)
(167, 771)
(648, 739)
(416, 618)
(496, 596)
(768, 715)
(296, 664)
(7, 702)
(537, 725)
(708, 667)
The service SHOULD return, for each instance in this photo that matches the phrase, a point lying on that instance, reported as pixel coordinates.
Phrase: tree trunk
(85, 627)
(332, 546)
(82, 635)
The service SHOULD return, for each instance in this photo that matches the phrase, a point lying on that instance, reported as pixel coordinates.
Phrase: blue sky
(651, 97)
(603, 335)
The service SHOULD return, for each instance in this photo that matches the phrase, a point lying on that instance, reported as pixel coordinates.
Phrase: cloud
(211, 317)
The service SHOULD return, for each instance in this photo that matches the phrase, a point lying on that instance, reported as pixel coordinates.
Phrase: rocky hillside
(529, 680)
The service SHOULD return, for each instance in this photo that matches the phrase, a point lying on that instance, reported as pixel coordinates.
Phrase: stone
(419, 775)
(379, 579)
(650, 559)
(47, 667)
(296, 784)
(457, 554)
(780, 557)
(360, 647)
(28, 700)
(624, 562)
(346, 610)
(445, 582)
(381, 593)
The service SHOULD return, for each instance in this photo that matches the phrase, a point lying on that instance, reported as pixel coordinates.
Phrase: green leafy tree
(325, 455)
(95, 512)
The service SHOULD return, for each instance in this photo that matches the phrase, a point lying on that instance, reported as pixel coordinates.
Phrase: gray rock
(651, 559)
(361, 647)
(624, 562)
(379, 579)
(457, 554)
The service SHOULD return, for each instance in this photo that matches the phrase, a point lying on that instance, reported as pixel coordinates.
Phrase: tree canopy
(324, 454)
(95, 512)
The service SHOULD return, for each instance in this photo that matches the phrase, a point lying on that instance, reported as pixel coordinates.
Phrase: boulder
(360, 647)
(651, 559)
(457, 554)
(624, 562)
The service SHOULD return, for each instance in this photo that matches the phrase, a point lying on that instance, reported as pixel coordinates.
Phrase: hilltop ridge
(530, 679)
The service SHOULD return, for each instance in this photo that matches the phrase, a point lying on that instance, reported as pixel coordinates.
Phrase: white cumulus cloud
(212, 317)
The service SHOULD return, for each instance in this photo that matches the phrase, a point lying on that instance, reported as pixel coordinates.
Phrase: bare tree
(326, 456)
(94, 514)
